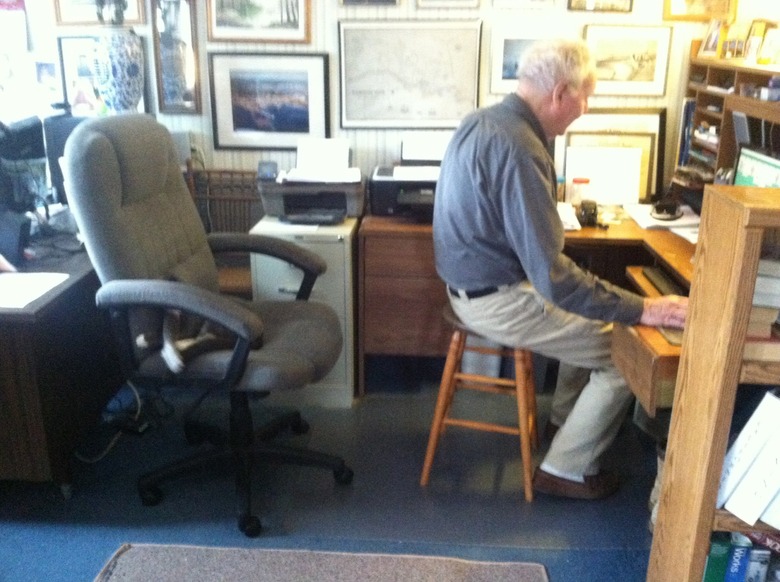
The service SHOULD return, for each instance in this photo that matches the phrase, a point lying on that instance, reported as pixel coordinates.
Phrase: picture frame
(291, 25)
(408, 91)
(506, 48)
(736, 40)
(630, 60)
(601, 5)
(176, 55)
(756, 34)
(712, 44)
(523, 4)
(268, 100)
(448, 3)
(644, 128)
(369, 2)
(78, 78)
(83, 12)
(700, 10)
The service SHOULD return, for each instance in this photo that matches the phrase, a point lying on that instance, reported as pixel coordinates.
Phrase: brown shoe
(596, 486)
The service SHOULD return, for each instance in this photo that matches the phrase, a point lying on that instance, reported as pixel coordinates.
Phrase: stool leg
(521, 384)
(530, 390)
(447, 386)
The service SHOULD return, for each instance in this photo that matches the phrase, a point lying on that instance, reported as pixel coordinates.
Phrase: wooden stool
(453, 379)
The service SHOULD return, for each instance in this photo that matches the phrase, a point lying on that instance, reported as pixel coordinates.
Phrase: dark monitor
(22, 140)
(756, 167)
(56, 130)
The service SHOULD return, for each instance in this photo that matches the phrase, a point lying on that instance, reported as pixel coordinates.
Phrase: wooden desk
(400, 295)
(57, 371)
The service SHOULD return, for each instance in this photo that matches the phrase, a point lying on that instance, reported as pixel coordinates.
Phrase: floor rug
(162, 563)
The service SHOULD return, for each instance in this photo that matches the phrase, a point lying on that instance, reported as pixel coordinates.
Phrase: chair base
(244, 446)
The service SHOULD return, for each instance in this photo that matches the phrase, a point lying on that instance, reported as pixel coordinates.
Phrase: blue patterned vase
(119, 69)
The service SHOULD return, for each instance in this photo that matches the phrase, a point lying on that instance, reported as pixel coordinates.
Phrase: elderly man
(499, 248)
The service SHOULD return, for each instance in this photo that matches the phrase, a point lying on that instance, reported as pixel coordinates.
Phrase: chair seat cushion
(301, 342)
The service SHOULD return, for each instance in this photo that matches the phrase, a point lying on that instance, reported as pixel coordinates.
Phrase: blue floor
(473, 507)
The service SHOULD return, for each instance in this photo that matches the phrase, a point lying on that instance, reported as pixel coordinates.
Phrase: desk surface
(55, 254)
(673, 251)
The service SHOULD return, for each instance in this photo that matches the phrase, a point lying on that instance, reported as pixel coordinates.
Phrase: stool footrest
(479, 425)
(484, 380)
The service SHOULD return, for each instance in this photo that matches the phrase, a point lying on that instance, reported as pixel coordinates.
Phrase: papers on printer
(322, 160)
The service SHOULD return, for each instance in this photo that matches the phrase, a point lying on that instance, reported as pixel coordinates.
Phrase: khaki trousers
(591, 398)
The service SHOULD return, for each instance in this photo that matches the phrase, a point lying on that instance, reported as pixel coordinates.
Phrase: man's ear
(559, 91)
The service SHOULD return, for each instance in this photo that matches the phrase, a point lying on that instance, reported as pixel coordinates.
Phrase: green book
(717, 559)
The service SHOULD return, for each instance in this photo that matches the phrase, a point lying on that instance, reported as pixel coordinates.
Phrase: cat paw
(172, 359)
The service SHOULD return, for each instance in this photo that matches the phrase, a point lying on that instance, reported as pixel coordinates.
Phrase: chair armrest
(226, 242)
(309, 262)
(222, 310)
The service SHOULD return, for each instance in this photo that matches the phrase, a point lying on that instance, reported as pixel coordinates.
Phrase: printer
(403, 191)
(321, 189)
(310, 200)
(408, 189)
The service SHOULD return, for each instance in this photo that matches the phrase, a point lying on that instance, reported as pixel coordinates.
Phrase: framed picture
(523, 4)
(447, 3)
(701, 10)
(78, 76)
(506, 48)
(736, 40)
(176, 55)
(266, 21)
(644, 129)
(369, 2)
(630, 60)
(268, 100)
(601, 5)
(84, 12)
(755, 37)
(713, 40)
(408, 74)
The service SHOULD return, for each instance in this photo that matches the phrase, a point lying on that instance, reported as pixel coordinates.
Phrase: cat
(178, 346)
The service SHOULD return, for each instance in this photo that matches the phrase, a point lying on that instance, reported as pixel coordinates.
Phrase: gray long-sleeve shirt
(495, 220)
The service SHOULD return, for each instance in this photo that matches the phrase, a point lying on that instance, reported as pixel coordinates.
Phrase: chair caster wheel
(150, 496)
(343, 475)
(300, 426)
(250, 526)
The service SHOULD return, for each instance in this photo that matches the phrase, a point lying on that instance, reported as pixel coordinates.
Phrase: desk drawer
(403, 317)
(648, 363)
(399, 256)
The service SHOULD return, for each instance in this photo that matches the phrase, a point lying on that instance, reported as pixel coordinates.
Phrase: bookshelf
(735, 221)
(713, 90)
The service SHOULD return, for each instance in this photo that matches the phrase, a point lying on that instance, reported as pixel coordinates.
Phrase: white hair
(549, 62)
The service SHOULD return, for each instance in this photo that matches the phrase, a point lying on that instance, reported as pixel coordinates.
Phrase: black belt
(474, 294)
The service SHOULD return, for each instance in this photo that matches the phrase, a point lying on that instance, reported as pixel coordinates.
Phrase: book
(738, 558)
(767, 284)
(760, 483)
(762, 349)
(717, 558)
(762, 314)
(769, 266)
(747, 445)
(766, 539)
(771, 515)
(758, 565)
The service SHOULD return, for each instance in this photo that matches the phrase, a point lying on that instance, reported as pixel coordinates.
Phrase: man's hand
(666, 311)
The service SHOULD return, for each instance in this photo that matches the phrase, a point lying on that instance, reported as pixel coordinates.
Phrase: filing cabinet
(274, 279)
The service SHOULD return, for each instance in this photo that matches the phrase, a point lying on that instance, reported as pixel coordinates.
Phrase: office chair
(152, 255)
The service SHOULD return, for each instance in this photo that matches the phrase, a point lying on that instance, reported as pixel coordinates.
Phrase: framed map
(408, 74)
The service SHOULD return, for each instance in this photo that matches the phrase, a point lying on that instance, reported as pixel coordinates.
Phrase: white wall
(378, 147)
